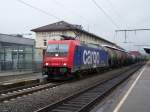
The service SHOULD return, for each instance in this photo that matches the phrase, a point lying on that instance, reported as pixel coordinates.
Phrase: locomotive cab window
(57, 50)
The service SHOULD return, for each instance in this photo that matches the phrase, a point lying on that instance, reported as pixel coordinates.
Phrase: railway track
(5, 91)
(84, 100)
(12, 93)
(25, 90)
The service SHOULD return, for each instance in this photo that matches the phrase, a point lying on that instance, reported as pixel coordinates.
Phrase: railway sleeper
(71, 105)
(67, 108)
(75, 102)
(59, 110)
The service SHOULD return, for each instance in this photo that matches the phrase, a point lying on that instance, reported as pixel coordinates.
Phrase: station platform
(137, 97)
(18, 78)
(10, 73)
(133, 95)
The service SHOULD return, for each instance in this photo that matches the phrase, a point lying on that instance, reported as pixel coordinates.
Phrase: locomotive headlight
(65, 64)
(46, 64)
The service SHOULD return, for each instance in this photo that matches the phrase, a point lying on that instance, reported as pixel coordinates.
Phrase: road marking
(129, 91)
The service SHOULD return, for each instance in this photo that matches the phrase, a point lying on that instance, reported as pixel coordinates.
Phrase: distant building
(16, 52)
(135, 53)
(56, 30)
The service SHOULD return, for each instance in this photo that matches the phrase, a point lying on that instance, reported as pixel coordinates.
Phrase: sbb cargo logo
(91, 57)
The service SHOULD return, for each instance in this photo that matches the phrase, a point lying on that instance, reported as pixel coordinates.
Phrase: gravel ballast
(43, 98)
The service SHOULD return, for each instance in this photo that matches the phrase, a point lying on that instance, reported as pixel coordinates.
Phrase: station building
(55, 31)
(16, 52)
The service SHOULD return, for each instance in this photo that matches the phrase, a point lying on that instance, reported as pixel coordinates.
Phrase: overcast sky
(16, 17)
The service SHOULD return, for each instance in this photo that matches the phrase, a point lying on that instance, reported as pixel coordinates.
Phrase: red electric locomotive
(58, 58)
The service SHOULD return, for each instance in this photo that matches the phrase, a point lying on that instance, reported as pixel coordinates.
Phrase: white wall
(41, 36)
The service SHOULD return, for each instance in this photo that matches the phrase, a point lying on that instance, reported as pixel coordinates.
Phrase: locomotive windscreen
(60, 50)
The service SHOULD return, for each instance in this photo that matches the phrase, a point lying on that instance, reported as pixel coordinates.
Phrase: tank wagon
(117, 57)
(64, 59)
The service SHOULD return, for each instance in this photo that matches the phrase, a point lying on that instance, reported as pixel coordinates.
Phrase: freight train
(65, 59)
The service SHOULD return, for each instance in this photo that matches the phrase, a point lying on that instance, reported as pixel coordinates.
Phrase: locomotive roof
(63, 41)
(77, 42)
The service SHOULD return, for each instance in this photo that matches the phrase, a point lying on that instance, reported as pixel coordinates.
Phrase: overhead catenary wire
(85, 20)
(117, 13)
(114, 9)
(108, 17)
(50, 14)
(56, 17)
(40, 10)
(70, 10)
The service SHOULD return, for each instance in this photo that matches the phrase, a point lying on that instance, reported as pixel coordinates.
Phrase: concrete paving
(9, 73)
(18, 78)
(138, 99)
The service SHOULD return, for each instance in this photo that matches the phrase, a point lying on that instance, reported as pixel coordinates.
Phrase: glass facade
(16, 57)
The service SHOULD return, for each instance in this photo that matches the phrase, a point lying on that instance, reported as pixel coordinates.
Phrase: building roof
(6, 38)
(63, 26)
(135, 53)
(147, 50)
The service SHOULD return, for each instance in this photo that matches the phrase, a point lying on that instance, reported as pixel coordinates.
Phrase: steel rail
(19, 88)
(26, 91)
(83, 100)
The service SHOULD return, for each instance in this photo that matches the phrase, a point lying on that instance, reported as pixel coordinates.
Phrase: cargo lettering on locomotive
(90, 57)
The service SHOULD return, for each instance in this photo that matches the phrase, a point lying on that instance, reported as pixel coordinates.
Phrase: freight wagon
(68, 58)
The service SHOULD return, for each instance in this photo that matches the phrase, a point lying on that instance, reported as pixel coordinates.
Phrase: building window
(64, 33)
(45, 42)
